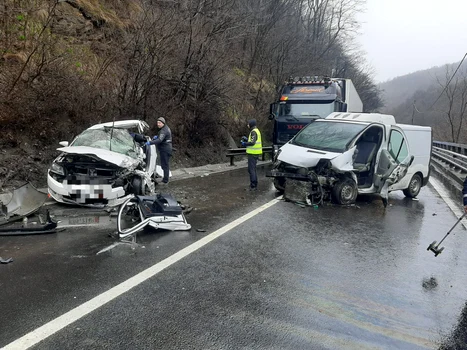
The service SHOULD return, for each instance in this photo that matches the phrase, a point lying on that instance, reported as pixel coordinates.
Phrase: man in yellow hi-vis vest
(254, 148)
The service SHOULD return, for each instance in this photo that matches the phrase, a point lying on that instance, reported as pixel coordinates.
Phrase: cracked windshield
(332, 137)
(119, 141)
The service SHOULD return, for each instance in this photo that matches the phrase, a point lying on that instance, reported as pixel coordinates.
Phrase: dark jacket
(164, 140)
(464, 191)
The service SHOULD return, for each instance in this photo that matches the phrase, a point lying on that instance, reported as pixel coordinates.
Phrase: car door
(394, 161)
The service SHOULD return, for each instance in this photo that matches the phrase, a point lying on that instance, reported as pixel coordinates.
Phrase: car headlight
(58, 169)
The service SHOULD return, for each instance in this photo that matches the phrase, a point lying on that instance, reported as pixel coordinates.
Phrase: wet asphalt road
(290, 278)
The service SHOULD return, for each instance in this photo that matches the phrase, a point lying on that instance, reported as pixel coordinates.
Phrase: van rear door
(394, 161)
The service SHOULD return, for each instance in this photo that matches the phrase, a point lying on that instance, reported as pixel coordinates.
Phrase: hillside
(207, 67)
(418, 98)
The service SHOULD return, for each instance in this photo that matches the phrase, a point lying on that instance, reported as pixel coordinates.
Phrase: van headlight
(276, 155)
(57, 169)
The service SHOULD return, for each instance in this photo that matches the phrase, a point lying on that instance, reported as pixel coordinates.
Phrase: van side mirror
(343, 107)
(63, 143)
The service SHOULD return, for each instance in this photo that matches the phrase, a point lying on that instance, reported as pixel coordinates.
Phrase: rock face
(73, 20)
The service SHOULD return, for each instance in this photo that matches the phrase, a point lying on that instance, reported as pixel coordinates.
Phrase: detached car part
(25, 200)
(161, 211)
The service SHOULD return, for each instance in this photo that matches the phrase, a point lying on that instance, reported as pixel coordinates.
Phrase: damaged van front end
(321, 175)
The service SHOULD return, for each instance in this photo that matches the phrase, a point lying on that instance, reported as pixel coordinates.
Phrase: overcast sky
(403, 36)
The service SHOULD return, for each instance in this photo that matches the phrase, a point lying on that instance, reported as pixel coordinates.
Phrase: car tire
(344, 192)
(279, 184)
(415, 185)
(138, 186)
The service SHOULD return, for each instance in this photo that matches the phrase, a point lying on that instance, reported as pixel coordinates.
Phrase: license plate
(84, 220)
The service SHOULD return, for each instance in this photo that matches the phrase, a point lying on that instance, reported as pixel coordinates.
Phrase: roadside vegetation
(435, 97)
(207, 66)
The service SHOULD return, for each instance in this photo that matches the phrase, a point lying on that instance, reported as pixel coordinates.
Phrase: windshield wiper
(287, 116)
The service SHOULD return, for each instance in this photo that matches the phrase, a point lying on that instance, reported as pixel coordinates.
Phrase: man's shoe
(253, 188)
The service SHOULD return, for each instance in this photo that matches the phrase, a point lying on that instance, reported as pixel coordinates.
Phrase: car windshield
(119, 141)
(328, 136)
(306, 109)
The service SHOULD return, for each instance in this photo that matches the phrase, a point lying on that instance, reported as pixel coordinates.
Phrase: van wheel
(344, 192)
(279, 184)
(415, 185)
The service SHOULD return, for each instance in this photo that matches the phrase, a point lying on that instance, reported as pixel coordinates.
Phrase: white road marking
(75, 314)
(446, 196)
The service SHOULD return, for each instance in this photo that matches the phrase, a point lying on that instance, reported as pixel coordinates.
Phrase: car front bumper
(85, 194)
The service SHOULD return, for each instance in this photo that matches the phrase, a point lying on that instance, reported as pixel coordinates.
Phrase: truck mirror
(272, 108)
(271, 116)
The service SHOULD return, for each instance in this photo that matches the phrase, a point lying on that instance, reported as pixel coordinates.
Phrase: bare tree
(454, 101)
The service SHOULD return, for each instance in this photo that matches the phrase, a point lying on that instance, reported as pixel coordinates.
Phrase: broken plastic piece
(5, 261)
(49, 227)
(25, 200)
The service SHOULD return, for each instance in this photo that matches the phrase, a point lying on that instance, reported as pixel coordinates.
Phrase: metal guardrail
(450, 160)
(235, 152)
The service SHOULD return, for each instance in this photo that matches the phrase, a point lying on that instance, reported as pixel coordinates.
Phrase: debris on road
(24, 201)
(5, 261)
(161, 211)
(50, 226)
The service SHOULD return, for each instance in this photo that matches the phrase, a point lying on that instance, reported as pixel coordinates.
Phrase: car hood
(118, 159)
(309, 158)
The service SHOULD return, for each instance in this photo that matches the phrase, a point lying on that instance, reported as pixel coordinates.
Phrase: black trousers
(252, 160)
(165, 159)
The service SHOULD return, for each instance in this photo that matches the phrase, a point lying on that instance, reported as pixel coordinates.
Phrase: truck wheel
(279, 184)
(344, 192)
(415, 185)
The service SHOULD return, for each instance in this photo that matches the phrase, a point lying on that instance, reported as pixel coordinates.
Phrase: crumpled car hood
(118, 159)
(309, 158)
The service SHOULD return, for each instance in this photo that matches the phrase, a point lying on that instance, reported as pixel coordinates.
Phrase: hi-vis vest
(257, 148)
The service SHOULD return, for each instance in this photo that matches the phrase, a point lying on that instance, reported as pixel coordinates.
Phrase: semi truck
(302, 100)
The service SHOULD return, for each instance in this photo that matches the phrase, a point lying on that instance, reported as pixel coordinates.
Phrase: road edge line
(444, 194)
(57, 324)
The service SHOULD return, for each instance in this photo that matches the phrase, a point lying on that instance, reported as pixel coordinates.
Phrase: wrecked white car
(104, 165)
(347, 154)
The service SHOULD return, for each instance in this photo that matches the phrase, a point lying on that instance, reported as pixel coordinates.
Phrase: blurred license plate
(84, 220)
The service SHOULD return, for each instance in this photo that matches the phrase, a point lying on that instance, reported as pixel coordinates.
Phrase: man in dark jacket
(254, 148)
(163, 142)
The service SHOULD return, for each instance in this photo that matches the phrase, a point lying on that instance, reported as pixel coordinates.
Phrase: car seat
(366, 149)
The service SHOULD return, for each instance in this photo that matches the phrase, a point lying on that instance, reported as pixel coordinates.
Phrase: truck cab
(303, 100)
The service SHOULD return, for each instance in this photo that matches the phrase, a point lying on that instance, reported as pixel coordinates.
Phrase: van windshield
(328, 136)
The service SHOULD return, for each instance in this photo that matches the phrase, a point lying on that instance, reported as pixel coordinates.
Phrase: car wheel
(138, 186)
(415, 185)
(344, 192)
(279, 184)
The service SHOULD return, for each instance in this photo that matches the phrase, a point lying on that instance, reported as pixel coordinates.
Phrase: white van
(347, 154)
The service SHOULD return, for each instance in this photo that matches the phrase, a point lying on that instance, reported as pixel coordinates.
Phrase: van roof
(414, 127)
(363, 117)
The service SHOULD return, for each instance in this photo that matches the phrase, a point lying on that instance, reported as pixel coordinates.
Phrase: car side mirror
(63, 143)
